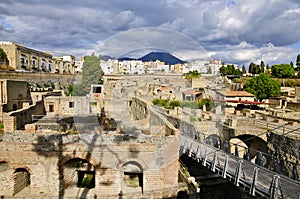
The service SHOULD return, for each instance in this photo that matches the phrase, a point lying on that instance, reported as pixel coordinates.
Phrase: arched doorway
(238, 147)
(21, 179)
(250, 144)
(3, 166)
(132, 177)
(78, 173)
(213, 140)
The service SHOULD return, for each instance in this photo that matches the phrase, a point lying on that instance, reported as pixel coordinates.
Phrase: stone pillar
(233, 122)
(61, 67)
(10, 124)
(218, 110)
(246, 114)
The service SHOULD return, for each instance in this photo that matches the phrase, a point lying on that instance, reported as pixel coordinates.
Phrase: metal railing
(259, 181)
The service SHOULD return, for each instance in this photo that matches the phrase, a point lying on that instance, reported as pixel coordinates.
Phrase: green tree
(263, 87)
(244, 71)
(205, 102)
(252, 68)
(230, 70)
(297, 68)
(209, 70)
(262, 66)
(257, 69)
(268, 69)
(298, 60)
(91, 74)
(223, 70)
(3, 57)
(282, 71)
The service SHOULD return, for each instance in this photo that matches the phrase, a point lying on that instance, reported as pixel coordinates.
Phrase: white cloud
(239, 30)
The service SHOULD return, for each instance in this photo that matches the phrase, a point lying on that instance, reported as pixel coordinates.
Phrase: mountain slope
(161, 56)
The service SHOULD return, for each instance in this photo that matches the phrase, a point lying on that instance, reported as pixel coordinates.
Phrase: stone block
(10, 124)
(278, 120)
(30, 128)
(246, 114)
(233, 122)
(268, 118)
(257, 116)
(293, 123)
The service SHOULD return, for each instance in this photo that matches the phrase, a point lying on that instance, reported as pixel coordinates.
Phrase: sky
(235, 31)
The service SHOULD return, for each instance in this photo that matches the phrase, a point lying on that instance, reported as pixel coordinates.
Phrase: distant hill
(161, 56)
(126, 59)
(153, 56)
(106, 57)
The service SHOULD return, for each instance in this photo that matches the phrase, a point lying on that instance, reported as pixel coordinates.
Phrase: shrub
(166, 103)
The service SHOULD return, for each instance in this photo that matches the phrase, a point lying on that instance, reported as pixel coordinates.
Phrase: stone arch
(83, 156)
(237, 147)
(21, 179)
(23, 167)
(4, 166)
(132, 175)
(78, 173)
(213, 140)
(252, 143)
(133, 167)
(140, 162)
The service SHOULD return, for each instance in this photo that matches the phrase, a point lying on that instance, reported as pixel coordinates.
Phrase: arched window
(79, 173)
(133, 175)
(21, 180)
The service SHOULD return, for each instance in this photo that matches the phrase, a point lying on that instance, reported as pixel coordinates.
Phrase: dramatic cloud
(237, 31)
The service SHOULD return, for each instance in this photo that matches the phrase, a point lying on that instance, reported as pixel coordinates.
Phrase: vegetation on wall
(167, 104)
(192, 74)
(4, 62)
(3, 56)
(171, 104)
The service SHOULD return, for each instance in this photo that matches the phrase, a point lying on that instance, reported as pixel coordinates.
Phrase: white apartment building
(110, 66)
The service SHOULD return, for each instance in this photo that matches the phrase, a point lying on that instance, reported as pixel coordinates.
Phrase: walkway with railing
(255, 178)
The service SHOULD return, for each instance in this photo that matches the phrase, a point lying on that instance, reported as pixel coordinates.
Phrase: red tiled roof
(192, 92)
(236, 94)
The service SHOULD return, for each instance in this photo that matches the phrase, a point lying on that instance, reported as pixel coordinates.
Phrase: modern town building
(21, 58)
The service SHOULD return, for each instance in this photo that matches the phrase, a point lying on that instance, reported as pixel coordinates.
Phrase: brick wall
(43, 154)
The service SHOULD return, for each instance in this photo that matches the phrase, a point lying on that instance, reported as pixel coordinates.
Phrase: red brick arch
(82, 156)
(23, 167)
(128, 159)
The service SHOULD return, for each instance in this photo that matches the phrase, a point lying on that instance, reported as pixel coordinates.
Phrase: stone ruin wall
(43, 154)
(285, 148)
